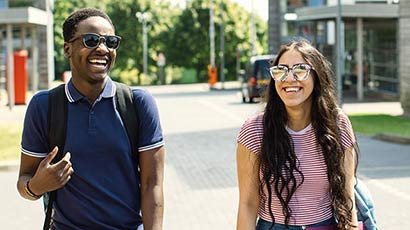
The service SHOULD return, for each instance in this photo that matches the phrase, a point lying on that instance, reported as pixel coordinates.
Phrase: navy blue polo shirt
(103, 192)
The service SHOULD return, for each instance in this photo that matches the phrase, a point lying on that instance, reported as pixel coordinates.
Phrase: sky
(260, 6)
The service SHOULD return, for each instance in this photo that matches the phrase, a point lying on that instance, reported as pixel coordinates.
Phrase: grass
(372, 124)
(10, 137)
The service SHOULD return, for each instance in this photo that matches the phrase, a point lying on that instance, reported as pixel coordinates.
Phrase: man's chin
(98, 78)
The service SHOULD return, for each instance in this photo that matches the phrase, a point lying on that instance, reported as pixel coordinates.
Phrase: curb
(9, 165)
(392, 138)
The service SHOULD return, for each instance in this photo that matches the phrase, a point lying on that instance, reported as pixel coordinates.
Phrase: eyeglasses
(300, 72)
(92, 41)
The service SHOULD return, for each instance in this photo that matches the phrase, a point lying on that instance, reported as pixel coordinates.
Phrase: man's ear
(67, 50)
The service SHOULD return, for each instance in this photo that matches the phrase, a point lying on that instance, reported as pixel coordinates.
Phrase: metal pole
(34, 58)
(238, 62)
(359, 38)
(50, 42)
(253, 30)
(10, 66)
(23, 37)
(222, 40)
(144, 17)
(212, 34)
(145, 47)
(339, 51)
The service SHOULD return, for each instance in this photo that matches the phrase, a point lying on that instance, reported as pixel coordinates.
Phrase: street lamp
(144, 18)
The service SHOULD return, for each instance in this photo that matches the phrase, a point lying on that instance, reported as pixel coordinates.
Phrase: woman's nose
(290, 76)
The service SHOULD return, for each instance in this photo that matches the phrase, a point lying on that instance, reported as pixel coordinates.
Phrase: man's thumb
(51, 155)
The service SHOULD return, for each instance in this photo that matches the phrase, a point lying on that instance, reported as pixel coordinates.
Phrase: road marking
(387, 188)
(385, 168)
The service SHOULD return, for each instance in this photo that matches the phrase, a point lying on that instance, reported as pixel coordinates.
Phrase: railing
(383, 77)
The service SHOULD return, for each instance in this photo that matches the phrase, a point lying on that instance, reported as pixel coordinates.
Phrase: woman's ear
(67, 50)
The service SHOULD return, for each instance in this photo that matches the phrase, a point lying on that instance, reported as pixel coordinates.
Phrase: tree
(181, 34)
(129, 55)
(188, 41)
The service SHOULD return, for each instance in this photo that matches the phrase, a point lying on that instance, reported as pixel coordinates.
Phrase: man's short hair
(71, 23)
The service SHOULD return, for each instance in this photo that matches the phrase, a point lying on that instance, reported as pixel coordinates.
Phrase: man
(99, 185)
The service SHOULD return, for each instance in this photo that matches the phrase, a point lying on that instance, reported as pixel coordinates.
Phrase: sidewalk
(351, 107)
(200, 179)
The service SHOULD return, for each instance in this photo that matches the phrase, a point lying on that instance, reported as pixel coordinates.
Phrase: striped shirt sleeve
(251, 134)
(346, 131)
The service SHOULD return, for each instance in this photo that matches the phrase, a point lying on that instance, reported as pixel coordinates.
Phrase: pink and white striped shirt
(311, 203)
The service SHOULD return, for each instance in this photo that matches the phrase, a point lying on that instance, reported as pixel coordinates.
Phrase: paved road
(200, 128)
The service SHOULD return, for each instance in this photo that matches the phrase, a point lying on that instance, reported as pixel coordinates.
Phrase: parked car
(256, 77)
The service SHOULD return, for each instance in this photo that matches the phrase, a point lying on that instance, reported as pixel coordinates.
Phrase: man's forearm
(152, 207)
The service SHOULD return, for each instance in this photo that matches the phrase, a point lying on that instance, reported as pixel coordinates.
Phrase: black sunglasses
(92, 41)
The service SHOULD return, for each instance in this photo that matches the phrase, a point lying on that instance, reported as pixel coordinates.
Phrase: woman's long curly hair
(278, 163)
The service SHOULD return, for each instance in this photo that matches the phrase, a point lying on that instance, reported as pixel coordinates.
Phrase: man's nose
(102, 45)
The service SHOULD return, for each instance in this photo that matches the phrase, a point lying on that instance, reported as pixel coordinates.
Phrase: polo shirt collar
(74, 95)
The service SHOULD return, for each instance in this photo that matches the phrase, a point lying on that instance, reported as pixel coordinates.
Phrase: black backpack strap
(57, 125)
(129, 116)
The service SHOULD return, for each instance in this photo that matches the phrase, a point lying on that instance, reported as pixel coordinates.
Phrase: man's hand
(49, 177)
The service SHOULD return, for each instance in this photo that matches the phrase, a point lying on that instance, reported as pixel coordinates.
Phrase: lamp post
(144, 18)
(212, 34)
(253, 30)
(222, 43)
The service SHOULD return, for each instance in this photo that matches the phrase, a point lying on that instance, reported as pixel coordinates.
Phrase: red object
(20, 76)
(252, 81)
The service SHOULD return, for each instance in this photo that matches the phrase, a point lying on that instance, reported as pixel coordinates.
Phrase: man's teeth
(291, 89)
(98, 61)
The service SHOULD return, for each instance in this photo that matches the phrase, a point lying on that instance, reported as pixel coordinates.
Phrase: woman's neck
(298, 119)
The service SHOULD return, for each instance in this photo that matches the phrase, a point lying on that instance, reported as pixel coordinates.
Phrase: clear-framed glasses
(300, 72)
(92, 41)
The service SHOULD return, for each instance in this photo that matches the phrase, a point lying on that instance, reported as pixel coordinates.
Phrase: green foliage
(181, 34)
(191, 35)
(122, 13)
(380, 123)
(188, 43)
(21, 3)
(182, 75)
(127, 25)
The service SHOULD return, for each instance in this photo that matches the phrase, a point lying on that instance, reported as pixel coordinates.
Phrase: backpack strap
(128, 112)
(57, 125)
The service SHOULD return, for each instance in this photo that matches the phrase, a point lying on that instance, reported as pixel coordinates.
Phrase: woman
(296, 161)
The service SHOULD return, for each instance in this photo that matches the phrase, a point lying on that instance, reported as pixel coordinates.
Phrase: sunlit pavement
(200, 127)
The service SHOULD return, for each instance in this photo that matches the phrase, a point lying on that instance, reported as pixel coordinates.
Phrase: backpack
(364, 205)
(364, 202)
(57, 126)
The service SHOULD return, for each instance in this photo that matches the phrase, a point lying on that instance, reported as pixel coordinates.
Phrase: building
(27, 28)
(370, 61)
